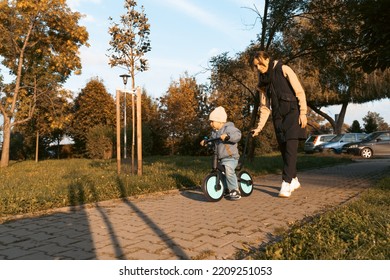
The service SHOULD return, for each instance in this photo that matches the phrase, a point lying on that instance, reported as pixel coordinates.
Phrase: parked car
(336, 144)
(315, 140)
(375, 144)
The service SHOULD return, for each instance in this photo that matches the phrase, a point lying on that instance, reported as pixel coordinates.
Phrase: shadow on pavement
(262, 188)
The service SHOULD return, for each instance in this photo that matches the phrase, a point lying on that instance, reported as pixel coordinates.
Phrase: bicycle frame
(214, 181)
(217, 168)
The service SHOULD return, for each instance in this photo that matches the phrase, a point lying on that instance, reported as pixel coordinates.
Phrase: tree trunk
(7, 118)
(252, 124)
(139, 132)
(264, 26)
(37, 147)
(6, 142)
(118, 133)
(133, 123)
(337, 125)
(340, 120)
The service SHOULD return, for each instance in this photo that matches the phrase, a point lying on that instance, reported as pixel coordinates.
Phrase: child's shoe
(235, 195)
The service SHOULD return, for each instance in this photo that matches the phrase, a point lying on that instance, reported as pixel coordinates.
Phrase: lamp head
(124, 77)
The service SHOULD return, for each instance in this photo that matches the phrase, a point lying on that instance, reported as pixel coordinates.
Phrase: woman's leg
(289, 151)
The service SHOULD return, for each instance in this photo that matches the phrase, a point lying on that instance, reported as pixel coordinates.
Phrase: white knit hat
(218, 115)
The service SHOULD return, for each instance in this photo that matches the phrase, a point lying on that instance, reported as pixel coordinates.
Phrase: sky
(185, 34)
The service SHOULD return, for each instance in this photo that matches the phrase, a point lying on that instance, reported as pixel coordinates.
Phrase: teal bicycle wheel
(245, 183)
(212, 189)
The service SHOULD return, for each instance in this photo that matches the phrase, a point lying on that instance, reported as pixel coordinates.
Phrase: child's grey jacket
(227, 148)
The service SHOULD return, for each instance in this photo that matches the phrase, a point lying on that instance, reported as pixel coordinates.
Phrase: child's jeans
(231, 178)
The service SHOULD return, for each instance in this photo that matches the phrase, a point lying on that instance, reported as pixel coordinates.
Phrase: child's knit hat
(218, 115)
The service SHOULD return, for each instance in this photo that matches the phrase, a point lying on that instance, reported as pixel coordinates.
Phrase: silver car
(314, 140)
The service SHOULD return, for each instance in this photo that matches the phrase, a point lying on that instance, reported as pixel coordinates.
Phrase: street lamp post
(124, 77)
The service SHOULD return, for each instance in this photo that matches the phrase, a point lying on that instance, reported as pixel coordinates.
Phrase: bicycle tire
(245, 183)
(212, 191)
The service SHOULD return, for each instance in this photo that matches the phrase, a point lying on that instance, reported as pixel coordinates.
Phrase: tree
(152, 126)
(317, 124)
(233, 85)
(50, 122)
(373, 122)
(93, 106)
(39, 45)
(130, 40)
(129, 44)
(321, 41)
(182, 118)
(370, 122)
(275, 18)
(374, 37)
(100, 141)
(355, 127)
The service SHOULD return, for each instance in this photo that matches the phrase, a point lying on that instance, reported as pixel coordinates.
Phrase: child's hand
(223, 136)
(202, 143)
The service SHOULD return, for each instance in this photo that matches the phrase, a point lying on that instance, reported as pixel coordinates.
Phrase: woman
(286, 97)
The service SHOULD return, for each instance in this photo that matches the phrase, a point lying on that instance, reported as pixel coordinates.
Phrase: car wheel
(366, 153)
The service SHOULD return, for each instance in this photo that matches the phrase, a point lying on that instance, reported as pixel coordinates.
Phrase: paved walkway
(182, 225)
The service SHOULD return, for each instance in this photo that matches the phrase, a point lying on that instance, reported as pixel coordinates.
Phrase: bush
(100, 142)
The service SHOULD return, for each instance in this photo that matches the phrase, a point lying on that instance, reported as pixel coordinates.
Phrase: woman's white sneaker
(295, 184)
(285, 190)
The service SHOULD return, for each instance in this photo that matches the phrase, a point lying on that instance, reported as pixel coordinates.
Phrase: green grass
(359, 230)
(28, 187)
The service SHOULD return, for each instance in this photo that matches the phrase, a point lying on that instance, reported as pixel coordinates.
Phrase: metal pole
(124, 77)
(124, 127)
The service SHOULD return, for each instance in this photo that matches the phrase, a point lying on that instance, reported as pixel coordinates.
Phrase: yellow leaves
(9, 100)
(57, 33)
(24, 4)
(54, 126)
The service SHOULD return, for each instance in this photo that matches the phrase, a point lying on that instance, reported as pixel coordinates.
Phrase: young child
(227, 150)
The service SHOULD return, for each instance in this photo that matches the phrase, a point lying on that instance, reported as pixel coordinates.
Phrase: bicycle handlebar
(206, 141)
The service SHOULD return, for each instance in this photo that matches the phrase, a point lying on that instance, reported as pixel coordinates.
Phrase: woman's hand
(302, 121)
(255, 132)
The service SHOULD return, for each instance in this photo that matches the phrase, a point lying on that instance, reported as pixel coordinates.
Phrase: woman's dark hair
(257, 54)
(265, 78)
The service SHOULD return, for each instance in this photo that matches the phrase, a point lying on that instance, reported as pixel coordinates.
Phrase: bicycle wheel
(245, 183)
(212, 189)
